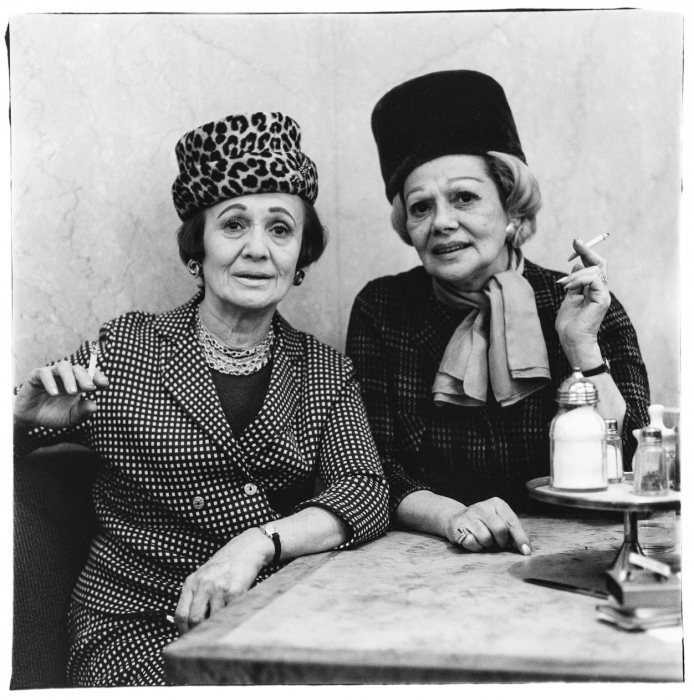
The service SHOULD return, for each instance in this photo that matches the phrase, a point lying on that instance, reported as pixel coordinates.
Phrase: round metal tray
(615, 497)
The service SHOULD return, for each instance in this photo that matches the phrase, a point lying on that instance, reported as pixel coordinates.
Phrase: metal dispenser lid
(611, 424)
(577, 391)
(651, 435)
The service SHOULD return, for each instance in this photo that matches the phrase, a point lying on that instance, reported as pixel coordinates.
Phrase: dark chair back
(54, 523)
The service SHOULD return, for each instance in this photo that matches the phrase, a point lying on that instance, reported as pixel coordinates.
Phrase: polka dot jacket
(176, 484)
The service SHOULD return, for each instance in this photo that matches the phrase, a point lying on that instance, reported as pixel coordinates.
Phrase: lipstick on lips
(443, 248)
(255, 276)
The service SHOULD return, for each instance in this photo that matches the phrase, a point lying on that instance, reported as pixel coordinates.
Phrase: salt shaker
(578, 438)
(650, 465)
(615, 466)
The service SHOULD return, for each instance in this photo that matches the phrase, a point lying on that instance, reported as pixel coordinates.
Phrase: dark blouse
(242, 396)
(397, 335)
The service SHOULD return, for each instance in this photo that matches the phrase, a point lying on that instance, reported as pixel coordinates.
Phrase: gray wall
(98, 103)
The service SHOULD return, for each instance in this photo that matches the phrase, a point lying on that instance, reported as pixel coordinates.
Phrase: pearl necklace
(236, 362)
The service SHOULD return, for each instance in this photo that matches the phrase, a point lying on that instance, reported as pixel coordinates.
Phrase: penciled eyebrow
(243, 207)
(276, 210)
(450, 181)
(232, 206)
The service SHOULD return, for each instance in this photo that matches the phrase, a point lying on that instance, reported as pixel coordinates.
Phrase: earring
(298, 277)
(511, 229)
(194, 268)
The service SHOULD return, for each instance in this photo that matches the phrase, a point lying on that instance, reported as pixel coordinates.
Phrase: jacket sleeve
(618, 342)
(357, 490)
(28, 441)
(366, 348)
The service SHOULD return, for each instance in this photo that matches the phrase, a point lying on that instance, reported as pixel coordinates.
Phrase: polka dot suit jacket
(176, 484)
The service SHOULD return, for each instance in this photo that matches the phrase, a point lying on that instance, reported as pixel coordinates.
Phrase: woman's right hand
(51, 397)
(487, 524)
(483, 525)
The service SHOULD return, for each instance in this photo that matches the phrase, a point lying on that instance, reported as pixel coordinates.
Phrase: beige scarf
(500, 338)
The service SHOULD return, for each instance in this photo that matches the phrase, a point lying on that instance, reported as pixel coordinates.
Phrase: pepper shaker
(650, 465)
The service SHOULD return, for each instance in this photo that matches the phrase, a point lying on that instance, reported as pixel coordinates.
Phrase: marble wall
(98, 103)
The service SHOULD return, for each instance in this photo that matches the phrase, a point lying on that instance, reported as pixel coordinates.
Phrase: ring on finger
(603, 277)
(460, 534)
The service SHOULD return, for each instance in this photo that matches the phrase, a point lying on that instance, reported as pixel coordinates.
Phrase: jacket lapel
(282, 397)
(437, 326)
(186, 376)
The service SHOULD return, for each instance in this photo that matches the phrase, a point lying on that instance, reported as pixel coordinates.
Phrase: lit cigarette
(590, 244)
(93, 354)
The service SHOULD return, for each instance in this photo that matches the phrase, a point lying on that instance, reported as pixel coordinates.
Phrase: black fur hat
(440, 114)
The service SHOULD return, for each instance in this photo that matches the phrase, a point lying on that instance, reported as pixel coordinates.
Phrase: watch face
(268, 530)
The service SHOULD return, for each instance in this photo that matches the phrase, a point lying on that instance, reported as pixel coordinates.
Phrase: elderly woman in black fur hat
(213, 419)
(459, 360)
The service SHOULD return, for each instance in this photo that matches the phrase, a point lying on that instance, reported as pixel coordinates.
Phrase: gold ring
(461, 534)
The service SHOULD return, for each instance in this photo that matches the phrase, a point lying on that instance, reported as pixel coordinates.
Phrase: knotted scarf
(499, 340)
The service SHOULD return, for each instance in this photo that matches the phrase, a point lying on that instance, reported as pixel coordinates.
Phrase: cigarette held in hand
(93, 354)
(592, 242)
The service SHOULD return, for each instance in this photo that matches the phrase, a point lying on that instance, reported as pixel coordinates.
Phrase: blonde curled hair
(518, 190)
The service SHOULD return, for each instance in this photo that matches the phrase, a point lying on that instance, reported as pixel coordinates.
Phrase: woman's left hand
(584, 307)
(229, 573)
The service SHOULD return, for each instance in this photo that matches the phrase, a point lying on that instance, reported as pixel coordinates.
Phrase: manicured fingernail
(525, 549)
(561, 280)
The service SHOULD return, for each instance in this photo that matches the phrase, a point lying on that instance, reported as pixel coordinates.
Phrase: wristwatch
(600, 369)
(270, 532)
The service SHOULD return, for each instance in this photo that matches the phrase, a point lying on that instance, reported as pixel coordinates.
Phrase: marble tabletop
(412, 608)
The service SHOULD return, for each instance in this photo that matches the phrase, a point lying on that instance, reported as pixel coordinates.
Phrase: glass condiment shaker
(656, 413)
(615, 464)
(650, 465)
(577, 438)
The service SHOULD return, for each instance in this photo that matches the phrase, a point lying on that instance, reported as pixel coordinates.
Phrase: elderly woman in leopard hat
(212, 420)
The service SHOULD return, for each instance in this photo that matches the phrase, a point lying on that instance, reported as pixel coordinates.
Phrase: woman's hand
(229, 573)
(51, 397)
(487, 524)
(583, 309)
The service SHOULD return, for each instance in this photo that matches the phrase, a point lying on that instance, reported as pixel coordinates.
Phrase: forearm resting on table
(428, 512)
(311, 530)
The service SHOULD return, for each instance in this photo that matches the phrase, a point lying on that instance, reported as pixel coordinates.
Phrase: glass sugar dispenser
(578, 438)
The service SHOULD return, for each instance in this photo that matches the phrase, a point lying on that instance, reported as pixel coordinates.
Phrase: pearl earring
(511, 229)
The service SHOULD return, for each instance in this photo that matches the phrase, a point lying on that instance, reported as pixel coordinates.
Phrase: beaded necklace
(236, 362)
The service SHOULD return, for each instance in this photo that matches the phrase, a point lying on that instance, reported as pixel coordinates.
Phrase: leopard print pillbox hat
(241, 154)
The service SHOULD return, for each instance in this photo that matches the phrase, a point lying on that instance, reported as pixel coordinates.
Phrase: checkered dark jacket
(177, 485)
(397, 335)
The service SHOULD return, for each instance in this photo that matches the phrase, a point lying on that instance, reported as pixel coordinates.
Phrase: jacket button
(198, 502)
(250, 489)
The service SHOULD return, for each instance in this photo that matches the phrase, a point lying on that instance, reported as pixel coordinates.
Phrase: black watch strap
(600, 369)
(270, 532)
